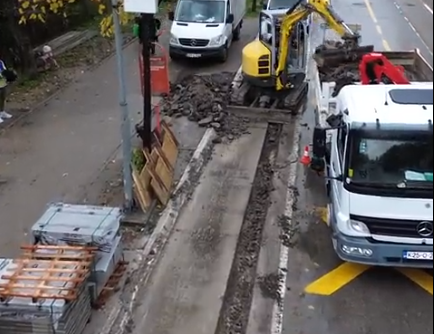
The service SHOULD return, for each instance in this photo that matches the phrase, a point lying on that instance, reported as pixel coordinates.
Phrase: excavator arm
(288, 24)
(298, 13)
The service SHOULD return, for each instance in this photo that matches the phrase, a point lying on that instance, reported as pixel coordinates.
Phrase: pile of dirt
(203, 99)
(270, 285)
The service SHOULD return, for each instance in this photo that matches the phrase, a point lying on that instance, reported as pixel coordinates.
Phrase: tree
(15, 46)
(37, 10)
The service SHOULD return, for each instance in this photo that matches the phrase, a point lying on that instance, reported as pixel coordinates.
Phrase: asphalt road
(379, 300)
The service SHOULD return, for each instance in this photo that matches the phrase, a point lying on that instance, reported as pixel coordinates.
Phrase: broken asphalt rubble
(203, 99)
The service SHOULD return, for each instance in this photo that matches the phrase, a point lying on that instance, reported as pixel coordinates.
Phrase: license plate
(193, 55)
(418, 255)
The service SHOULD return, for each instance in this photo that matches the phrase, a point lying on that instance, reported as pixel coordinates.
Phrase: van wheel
(224, 55)
(237, 33)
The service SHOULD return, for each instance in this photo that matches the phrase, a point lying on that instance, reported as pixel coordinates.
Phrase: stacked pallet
(87, 226)
(45, 291)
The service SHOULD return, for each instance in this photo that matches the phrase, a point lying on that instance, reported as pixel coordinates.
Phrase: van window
(200, 11)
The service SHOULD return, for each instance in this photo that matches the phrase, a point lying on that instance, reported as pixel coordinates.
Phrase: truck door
(228, 26)
(336, 169)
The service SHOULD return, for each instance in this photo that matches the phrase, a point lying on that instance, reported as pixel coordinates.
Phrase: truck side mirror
(319, 142)
(319, 149)
(230, 19)
(171, 16)
(264, 6)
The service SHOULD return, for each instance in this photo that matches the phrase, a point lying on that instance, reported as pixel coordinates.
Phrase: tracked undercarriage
(288, 101)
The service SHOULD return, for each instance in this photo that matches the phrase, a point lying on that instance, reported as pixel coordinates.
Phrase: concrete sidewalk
(186, 290)
(57, 152)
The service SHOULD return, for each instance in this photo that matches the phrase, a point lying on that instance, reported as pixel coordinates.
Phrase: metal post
(147, 22)
(126, 123)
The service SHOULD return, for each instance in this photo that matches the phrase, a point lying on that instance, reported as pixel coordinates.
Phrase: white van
(278, 5)
(205, 28)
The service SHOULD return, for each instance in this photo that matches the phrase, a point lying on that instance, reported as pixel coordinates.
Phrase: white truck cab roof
(387, 104)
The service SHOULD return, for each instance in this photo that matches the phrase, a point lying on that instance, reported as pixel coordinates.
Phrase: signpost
(147, 9)
(126, 123)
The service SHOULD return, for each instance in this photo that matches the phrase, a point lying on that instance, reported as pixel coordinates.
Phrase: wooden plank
(161, 155)
(142, 191)
(170, 145)
(62, 247)
(54, 270)
(156, 183)
(163, 170)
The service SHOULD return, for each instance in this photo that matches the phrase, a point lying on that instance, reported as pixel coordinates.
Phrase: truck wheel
(237, 33)
(224, 55)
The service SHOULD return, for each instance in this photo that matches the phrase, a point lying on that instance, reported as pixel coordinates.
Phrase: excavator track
(253, 97)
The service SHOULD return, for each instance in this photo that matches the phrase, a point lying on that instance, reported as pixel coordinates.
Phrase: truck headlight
(358, 226)
(217, 41)
(173, 40)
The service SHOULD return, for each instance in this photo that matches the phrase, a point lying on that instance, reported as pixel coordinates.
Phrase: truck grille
(194, 42)
(393, 227)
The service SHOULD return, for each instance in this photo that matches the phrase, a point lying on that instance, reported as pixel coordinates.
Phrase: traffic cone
(305, 159)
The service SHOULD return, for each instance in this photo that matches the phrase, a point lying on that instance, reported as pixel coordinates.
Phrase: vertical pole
(147, 22)
(125, 126)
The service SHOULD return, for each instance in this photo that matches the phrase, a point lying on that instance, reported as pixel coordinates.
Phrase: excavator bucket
(329, 55)
(333, 53)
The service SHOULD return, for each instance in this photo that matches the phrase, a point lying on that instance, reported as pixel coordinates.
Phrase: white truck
(205, 28)
(374, 143)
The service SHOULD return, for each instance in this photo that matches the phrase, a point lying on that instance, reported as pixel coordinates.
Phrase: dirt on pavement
(203, 99)
(238, 297)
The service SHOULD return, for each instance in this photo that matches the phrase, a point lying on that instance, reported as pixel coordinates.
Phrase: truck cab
(205, 28)
(378, 154)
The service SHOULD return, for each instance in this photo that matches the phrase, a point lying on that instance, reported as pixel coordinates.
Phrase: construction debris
(45, 290)
(154, 170)
(203, 99)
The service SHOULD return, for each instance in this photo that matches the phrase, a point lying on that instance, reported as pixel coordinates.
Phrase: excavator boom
(299, 12)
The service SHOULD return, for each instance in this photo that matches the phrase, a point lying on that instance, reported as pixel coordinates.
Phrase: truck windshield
(200, 11)
(391, 159)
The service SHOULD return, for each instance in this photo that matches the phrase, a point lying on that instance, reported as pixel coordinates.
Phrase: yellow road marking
(379, 29)
(420, 277)
(336, 279)
(371, 11)
(323, 214)
(345, 273)
(386, 45)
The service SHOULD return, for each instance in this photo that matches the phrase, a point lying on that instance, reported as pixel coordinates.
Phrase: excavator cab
(260, 57)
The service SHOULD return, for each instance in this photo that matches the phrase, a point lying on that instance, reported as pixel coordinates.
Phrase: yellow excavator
(277, 60)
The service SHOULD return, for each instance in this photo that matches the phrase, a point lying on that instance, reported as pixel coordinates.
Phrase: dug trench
(234, 314)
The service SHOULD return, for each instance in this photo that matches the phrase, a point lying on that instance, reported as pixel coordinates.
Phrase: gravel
(203, 99)
(238, 297)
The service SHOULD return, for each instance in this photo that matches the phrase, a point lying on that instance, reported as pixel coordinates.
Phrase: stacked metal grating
(45, 291)
(84, 225)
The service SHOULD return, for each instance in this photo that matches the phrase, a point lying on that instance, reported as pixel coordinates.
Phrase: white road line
(398, 7)
(428, 8)
(278, 307)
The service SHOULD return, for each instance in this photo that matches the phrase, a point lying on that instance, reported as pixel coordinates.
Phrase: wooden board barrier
(155, 180)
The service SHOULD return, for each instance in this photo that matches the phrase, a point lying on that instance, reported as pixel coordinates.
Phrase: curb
(121, 315)
(40, 104)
